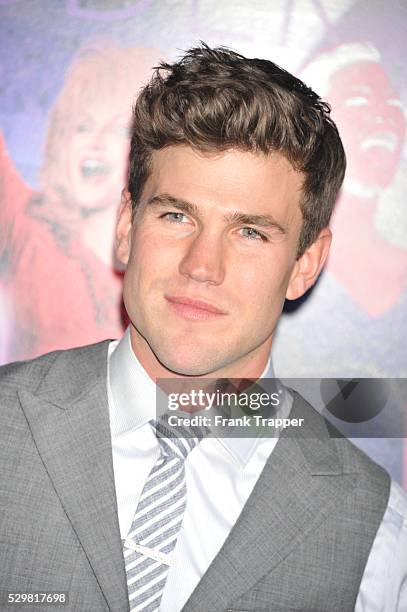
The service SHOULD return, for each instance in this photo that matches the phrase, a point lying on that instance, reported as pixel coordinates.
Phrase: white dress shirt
(220, 475)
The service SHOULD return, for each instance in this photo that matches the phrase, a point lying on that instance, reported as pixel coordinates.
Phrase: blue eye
(175, 217)
(253, 234)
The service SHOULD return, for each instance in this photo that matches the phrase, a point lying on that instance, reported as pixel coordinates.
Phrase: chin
(188, 364)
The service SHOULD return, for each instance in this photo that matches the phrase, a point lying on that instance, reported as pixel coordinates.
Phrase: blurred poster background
(69, 73)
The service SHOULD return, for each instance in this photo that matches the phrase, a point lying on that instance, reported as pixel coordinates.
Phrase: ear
(308, 267)
(123, 228)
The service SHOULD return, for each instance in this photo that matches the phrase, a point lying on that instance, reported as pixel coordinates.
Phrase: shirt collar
(132, 396)
(132, 392)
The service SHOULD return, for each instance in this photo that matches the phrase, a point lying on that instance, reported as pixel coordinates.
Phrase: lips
(193, 308)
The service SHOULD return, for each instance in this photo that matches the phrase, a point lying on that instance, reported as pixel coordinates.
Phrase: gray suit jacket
(301, 542)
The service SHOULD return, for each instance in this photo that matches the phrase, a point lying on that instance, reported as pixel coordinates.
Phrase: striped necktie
(149, 546)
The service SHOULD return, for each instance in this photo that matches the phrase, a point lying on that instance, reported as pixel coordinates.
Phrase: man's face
(222, 229)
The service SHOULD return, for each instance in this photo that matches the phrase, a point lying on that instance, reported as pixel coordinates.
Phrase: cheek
(262, 295)
(150, 259)
(80, 141)
(74, 150)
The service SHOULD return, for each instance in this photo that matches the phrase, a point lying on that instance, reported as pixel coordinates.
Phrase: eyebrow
(266, 221)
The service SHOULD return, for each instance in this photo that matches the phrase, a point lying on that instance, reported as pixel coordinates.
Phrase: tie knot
(179, 440)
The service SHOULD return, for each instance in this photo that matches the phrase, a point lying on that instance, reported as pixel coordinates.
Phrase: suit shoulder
(21, 374)
(28, 374)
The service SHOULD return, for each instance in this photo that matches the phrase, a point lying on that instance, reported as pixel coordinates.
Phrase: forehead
(230, 180)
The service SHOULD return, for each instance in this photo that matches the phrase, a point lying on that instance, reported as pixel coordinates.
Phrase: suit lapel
(299, 487)
(72, 435)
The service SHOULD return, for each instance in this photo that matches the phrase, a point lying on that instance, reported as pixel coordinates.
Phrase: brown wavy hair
(216, 99)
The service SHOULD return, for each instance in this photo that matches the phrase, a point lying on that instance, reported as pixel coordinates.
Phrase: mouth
(91, 167)
(386, 140)
(194, 309)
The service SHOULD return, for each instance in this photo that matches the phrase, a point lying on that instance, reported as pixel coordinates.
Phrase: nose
(101, 136)
(204, 260)
(378, 116)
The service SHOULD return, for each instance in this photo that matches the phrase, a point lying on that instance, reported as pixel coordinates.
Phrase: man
(234, 170)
